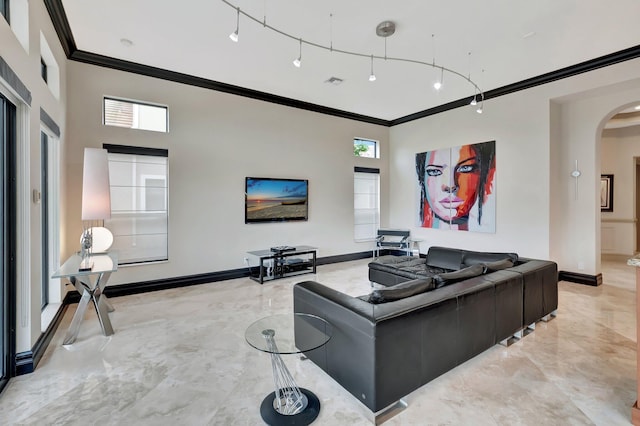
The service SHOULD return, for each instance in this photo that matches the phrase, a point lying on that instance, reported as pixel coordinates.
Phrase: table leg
(289, 404)
(74, 328)
(102, 312)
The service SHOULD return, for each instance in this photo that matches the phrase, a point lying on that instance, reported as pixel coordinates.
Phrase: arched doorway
(619, 197)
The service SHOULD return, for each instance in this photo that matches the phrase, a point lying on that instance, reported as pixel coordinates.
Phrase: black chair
(398, 239)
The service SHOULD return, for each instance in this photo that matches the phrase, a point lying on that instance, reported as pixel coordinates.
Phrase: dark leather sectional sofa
(381, 352)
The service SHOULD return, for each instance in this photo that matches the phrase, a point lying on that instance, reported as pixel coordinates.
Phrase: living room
(217, 139)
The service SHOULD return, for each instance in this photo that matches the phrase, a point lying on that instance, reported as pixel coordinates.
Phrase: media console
(274, 264)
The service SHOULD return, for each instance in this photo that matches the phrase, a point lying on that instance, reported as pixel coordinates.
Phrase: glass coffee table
(288, 334)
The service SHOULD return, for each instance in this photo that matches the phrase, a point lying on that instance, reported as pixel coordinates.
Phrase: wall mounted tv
(275, 200)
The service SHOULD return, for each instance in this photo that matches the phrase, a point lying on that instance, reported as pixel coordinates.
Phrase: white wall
(539, 133)
(215, 141)
(26, 64)
(521, 180)
(618, 228)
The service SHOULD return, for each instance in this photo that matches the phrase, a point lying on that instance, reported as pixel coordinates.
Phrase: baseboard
(26, 362)
(574, 277)
(344, 257)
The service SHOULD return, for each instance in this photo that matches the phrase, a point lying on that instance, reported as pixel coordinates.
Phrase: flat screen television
(275, 200)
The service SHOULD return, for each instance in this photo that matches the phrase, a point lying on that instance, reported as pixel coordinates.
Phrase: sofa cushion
(440, 280)
(497, 265)
(401, 291)
(444, 257)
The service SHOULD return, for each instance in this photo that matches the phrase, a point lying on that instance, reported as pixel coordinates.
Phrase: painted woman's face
(451, 178)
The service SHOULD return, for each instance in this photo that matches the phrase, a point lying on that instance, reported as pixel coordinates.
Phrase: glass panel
(4, 329)
(139, 202)
(135, 115)
(140, 248)
(366, 205)
(365, 148)
(44, 204)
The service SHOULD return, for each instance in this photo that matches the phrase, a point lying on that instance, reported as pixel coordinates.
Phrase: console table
(295, 333)
(90, 284)
(279, 264)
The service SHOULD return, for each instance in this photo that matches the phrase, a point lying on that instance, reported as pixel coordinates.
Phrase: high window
(366, 203)
(43, 69)
(365, 148)
(4, 10)
(139, 203)
(135, 115)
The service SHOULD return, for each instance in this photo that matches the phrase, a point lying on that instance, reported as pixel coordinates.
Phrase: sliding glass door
(8, 238)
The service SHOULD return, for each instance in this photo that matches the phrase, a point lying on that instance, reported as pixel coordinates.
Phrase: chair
(399, 239)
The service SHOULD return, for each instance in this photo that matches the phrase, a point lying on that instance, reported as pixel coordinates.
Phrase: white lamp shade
(96, 197)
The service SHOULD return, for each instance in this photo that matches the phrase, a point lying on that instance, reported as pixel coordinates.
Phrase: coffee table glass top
(293, 333)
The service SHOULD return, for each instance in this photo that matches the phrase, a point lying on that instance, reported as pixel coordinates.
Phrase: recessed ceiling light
(529, 34)
(637, 108)
(126, 42)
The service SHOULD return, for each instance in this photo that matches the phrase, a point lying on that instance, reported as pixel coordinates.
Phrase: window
(4, 9)
(43, 69)
(135, 115)
(366, 203)
(139, 203)
(49, 69)
(365, 148)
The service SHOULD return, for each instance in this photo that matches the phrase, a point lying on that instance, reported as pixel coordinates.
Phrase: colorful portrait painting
(457, 188)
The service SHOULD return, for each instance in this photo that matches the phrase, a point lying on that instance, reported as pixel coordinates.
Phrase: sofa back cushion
(470, 258)
(440, 280)
(401, 291)
(445, 258)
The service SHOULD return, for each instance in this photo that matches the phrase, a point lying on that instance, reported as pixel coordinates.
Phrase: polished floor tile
(179, 357)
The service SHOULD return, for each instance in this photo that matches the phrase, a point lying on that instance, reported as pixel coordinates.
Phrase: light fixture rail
(478, 97)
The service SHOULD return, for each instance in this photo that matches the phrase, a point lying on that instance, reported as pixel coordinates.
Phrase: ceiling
(511, 40)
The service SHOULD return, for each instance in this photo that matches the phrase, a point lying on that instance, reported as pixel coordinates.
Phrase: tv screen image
(275, 200)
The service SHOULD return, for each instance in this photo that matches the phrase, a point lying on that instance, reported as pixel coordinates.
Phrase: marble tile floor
(179, 357)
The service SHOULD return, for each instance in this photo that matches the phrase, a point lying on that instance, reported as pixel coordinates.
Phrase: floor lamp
(96, 200)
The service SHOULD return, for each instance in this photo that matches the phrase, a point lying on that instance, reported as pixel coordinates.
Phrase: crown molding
(61, 24)
(570, 71)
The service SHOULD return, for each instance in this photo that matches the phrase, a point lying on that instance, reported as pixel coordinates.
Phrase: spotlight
(234, 35)
(298, 61)
(372, 76)
(438, 84)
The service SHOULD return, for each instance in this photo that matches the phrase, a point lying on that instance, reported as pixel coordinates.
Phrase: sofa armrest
(349, 356)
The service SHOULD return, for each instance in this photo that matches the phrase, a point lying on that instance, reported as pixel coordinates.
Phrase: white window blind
(366, 203)
(139, 203)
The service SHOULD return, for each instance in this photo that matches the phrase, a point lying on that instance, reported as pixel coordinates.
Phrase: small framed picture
(606, 193)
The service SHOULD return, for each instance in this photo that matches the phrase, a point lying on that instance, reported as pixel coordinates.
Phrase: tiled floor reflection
(178, 357)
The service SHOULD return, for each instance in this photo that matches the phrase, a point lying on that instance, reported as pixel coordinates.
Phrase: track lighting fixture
(372, 76)
(438, 84)
(385, 29)
(298, 61)
(234, 35)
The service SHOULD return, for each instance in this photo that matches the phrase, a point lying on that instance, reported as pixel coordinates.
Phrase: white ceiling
(512, 40)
